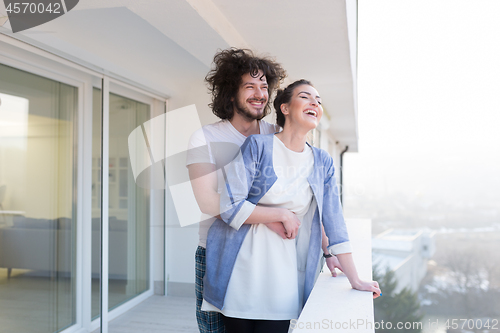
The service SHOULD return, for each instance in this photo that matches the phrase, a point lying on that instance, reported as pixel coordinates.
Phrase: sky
(428, 101)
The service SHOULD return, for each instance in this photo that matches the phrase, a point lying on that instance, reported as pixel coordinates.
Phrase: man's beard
(243, 110)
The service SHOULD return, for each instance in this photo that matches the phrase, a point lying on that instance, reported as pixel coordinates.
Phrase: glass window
(37, 203)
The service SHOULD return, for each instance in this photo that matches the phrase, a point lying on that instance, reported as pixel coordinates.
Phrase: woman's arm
(336, 230)
(331, 262)
(350, 271)
(280, 220)
(204, 183)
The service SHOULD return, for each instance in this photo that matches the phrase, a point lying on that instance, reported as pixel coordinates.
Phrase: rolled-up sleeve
(242, 215)
(340, 248)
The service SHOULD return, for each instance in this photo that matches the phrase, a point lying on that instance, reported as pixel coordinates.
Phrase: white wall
(182, 241)
(329, 143)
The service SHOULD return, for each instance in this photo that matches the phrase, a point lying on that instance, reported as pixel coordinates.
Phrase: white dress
(264, 282)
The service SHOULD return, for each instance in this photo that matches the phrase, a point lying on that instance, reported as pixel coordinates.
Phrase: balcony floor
(158, 314)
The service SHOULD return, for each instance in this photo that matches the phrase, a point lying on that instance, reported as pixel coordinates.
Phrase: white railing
(333, 305)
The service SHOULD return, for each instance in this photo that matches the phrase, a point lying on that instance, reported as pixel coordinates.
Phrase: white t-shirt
(217, 144)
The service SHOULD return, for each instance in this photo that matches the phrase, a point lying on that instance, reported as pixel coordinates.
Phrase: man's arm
(204, 183)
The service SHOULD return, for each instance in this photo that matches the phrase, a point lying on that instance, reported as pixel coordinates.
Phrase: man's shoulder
(211, 132)
(220, 125)
(268, 128)
(224, 125)
(207, 142)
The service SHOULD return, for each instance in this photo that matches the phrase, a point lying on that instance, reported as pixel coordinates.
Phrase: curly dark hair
(284, 96)
(225, 78)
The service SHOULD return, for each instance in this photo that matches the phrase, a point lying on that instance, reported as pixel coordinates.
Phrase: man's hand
(333, 263)
(278, 228)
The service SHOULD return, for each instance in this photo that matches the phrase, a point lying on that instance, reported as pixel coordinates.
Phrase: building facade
(406, 253)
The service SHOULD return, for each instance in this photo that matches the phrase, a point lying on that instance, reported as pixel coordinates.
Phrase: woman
(256, 279)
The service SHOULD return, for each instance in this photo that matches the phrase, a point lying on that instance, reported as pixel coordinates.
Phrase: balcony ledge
(333, 305)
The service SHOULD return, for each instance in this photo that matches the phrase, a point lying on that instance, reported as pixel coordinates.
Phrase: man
(240, 84)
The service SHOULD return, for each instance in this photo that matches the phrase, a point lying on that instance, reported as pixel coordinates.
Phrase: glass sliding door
(37, 203)
(129, 206)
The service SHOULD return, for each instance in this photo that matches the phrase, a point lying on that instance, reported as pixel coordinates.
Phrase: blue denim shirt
(248, 177)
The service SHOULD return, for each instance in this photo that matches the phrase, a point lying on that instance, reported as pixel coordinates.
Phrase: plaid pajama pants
(208, 322)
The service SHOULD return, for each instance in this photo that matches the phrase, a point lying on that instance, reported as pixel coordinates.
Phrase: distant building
(405, 252)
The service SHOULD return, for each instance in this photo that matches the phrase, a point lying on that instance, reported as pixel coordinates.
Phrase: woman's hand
(291, 223)
(333, 263)
(349, 270)
(280, 220)
(369, 286)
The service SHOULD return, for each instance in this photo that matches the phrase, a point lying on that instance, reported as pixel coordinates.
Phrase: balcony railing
(333, 305)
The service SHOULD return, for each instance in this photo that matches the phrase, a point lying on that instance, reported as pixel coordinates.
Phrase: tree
(395, 307)
(474, 278)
